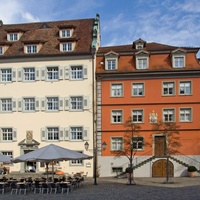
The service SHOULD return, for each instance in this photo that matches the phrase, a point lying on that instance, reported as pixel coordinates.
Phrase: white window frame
(168, 88)
(138, 116)
(76, 103)
(178, 59)
(52, 103)
(137, 89)
(111, 61)
(76, 162)
(13, 37)
(183, 90)
(6, 104)
(29, 104)
(7, 134)
(168, 115)
(116, 90)
(65, 33)
(185, 114)
(31, 48)
(6, 75)
(53, 73)
(142, 62)
(138, 143)
(116, 116)
(77, 133)
(116, 143)
(76, 72)
(53, 134)
(66, 47)
(7, 153)
(29, 74)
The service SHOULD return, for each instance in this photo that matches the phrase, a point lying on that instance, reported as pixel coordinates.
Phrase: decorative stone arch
(159, 168)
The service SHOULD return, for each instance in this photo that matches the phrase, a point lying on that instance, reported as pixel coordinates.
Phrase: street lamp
(95, 150)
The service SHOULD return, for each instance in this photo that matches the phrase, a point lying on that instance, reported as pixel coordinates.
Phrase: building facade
(149, 82)
(46, 79)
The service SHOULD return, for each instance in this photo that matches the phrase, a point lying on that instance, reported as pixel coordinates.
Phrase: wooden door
(159, 168)
(160, 145)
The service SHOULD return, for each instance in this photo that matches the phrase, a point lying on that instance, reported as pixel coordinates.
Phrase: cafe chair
(13, 187)
(45, 187)
(37, 187)
(2, 188)
(53, 188)
(64, 187)
(22, 188)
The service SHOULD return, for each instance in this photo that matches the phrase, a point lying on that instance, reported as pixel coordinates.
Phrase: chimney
(1, 23)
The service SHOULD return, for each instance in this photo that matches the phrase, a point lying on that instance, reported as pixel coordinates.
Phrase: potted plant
(192, 171)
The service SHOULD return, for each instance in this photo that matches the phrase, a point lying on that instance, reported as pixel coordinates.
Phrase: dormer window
(1, 50)
(31, 49)
(65, 33)
(139, 44)
(13, 37)
(111, 60)
(66, 47)
(178, 58)
(142, 60)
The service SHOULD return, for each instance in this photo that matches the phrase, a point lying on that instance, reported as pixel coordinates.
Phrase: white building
(46, 89)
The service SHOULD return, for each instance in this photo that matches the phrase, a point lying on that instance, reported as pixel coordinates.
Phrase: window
(76, 133)
(52, 103)
(53, 133)
(138, 143)
(116, 143)
(185, 88)
(168, 88)
(142, 59)
(77, 162)
(137, 116)
(13, 37)
(178, 62)
(31, 49)
(142, 63)
(29, 74)
(168, 115)
(65, 33)
(7, 153)
(76, 72)
(185, 115)
(7, 134)
(67, 46)
(29, 104)
(116, 90)
(116, 116)
(6, 75)
(76, 103)
(117, 170)
(1, 50)
(52, 73)
(138, 89)
(111, 64)
(6, 105)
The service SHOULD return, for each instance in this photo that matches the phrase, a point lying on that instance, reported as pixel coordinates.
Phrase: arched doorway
(159, 168)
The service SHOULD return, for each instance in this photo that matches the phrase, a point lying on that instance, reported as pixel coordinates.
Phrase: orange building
(150, 82)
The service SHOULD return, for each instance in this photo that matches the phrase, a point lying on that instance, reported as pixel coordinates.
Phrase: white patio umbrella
(51, 153)
(5, 159)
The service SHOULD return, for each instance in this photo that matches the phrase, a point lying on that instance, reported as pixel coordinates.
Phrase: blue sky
(172, 22)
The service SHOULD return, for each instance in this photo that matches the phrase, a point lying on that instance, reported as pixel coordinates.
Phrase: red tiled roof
(49, 36)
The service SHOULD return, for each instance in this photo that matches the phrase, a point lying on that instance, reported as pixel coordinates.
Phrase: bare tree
(130, 137)
(172, 140)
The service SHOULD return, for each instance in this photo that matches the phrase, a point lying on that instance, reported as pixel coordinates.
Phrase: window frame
(138, 143)
(118, 115)
(66, 46)
(168, 88)
(141, 56)
(54, 133)
(138, 89)
(31, 48)
(76, 103)
(185, 89)
(117, 143)
(168, 114)
(76, 72)
(185, 114)
(30, 103)
(1, 50)
(29, 74)
(13, 37)
(6, 75)
(76, 133)
(7, 134)
(111, 61)
(9, 105)
(65, 33)
(52, 73)
(7, 153)
(138, 116)
(52, 104)
(114, 91)
(77, 162)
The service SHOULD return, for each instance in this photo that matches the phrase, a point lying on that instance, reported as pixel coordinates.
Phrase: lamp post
(95, 150)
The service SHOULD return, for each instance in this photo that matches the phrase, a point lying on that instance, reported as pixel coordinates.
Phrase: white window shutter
(86, 133)
(43, 104)
(43, 134)
(85, 72)
(60, 72)
(86, 103)
(14, 134)
(67, 133)
(20, 74)
(67, 103)
(60, 103)
(14, 106)
(61, 133)
(20, 105)
(67, 71)
(37, 104)
(13, 75)
(43, 73)
(37, 74)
